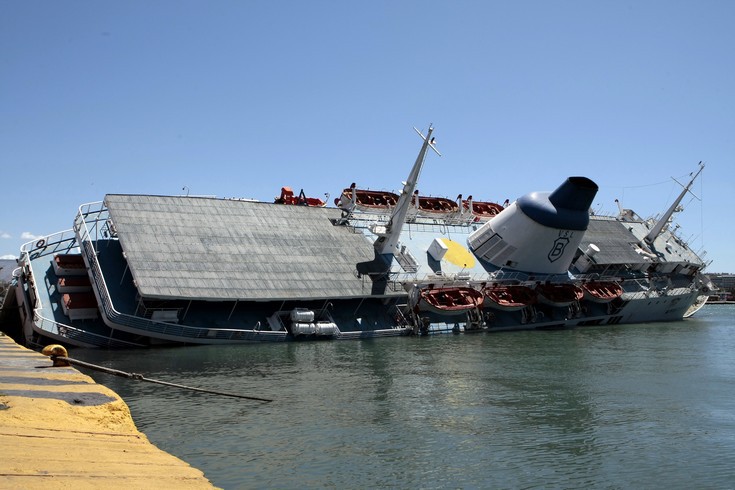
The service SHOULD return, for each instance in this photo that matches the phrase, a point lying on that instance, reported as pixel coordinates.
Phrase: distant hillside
(6, 269)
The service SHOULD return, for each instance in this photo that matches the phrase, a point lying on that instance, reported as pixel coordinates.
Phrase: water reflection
(630, 407)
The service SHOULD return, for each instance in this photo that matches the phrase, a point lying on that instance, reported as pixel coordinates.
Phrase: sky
(240, 98)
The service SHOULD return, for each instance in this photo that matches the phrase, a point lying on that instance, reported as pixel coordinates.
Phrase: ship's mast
(388, 243)
(664, 221)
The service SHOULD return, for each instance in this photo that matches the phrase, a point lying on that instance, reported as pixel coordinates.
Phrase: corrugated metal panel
(216, 249)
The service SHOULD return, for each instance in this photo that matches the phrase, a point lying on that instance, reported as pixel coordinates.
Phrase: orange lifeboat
(509, 297)
(287, 197)
(450, 300)
(366, 200)
(483, 210)
(434, 206)
(602, 291)
(559, 294)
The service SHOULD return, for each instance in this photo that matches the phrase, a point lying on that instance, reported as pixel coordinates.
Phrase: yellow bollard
(54, 350)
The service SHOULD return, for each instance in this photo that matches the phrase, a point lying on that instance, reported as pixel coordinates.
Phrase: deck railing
(82, 336)
(62, 242)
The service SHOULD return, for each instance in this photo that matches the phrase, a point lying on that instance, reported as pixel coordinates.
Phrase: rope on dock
(140, 377)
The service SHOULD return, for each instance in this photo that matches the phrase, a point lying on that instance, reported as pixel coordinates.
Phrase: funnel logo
(560, 244)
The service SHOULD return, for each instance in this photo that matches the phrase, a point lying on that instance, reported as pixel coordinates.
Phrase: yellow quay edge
(60, 429)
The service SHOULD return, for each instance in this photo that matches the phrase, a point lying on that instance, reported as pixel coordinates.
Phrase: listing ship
(146, 270)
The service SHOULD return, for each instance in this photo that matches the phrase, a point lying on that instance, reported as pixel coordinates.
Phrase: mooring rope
(140, 377)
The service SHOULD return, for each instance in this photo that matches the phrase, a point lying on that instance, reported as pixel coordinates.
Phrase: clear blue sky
(238, 98)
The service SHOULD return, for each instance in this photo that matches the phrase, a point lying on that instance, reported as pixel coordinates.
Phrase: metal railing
(62, 242)
(79, 335)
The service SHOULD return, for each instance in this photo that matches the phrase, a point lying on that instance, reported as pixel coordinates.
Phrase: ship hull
(382, 318)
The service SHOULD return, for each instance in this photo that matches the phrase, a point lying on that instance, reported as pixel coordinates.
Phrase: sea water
(629, 406)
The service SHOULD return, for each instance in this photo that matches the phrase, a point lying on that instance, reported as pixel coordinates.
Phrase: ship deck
(356, 315)
(222, 249)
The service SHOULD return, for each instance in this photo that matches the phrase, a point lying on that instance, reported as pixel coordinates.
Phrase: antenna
(388, 244)
(664, 221)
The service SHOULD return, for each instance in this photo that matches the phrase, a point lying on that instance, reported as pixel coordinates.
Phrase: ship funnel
(575, 193)
(540, 232)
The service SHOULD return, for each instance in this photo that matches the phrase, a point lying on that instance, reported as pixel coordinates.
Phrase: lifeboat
(69, 265)
(450, 300)
(79, 306)
(602, 291)
(287, 197)
(509, 297)
(481, 209)
(434, 206)
(559, 294)
(366, 200)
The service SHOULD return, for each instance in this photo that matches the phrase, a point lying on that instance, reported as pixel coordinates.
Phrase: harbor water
(629, 406)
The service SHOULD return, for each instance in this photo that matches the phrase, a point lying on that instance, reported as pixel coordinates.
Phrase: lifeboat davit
(559, 294)
(509, 297)
(450, 300)
(602, 291)
(481, 209)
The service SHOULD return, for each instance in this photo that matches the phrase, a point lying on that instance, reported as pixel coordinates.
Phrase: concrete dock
(59, 429)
